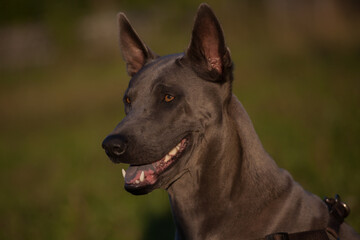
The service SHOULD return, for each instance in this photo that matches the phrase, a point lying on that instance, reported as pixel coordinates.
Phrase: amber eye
(127, 99)
(168, 98)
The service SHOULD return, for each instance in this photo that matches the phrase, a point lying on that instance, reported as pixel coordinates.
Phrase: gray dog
(185, 132)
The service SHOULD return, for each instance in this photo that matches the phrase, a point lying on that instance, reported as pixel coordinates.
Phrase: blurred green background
(297, 72)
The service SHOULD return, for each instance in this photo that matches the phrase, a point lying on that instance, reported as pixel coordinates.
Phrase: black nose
(115, 146)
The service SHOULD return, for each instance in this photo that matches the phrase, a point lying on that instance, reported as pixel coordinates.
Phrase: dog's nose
(114, 145)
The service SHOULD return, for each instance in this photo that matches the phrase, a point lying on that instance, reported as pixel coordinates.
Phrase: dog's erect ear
(135, 53)
(207, 44)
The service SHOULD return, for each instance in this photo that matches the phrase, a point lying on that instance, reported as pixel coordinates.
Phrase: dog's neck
(228, 183)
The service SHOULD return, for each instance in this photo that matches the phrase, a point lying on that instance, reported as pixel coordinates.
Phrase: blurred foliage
(61, 84)
(18, 11)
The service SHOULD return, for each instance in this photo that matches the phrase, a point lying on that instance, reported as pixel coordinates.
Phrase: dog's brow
(129, 92)
(162, 87)
(159, 83)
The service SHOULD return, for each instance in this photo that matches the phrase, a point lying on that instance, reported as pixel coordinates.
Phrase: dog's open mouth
(138, 176)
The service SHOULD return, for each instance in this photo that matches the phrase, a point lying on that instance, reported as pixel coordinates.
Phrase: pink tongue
(131, 173)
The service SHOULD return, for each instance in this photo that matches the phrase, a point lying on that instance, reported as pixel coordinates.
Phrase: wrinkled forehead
(166, 70)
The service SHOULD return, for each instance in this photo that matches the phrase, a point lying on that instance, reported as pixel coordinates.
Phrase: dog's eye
(168, 98)
(127, 99)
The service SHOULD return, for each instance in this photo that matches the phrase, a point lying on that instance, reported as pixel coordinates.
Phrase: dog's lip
(138, 176)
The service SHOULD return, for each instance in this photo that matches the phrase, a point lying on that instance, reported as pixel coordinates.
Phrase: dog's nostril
(114, 145)
(118, 149)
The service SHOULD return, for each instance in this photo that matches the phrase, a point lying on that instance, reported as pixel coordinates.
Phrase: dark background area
(297, 72)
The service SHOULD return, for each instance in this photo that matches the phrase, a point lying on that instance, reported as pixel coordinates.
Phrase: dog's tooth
(178, 146)
(137, 181)
(123, 173)
(173, 152)
(142, 176)
(167, 157)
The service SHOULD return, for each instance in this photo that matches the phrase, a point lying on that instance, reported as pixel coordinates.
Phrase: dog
(185, 132)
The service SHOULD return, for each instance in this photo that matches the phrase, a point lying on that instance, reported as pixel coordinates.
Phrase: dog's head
(170, 104)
